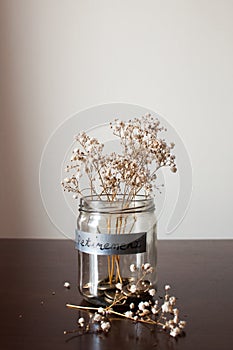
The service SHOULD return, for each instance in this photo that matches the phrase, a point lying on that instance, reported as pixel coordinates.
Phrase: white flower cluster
(143, 307)
(165, 315)
(132, 171)
(148, 310)
(100, 318)
(142, 271)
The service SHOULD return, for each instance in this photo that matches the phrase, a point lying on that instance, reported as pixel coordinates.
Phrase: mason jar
(114, 240)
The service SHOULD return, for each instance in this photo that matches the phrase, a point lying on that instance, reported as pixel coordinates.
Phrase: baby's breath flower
(101, 310)
(172, 301)
(105, 326)
(171, 323)
(173, 169)
(182, 324)
(97, 317)
(119, 286)
(154, 310)
(141, 306)
(167, 287)
(132, 306)
(166, 307)
(133, 288)
(133, 268)
(152, 292)
(175, 331)
(129, 314)
(81, 321)
(146, 266)
(67, 285)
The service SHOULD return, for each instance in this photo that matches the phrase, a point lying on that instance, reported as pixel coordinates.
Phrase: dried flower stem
(110, 311)
(78, 307)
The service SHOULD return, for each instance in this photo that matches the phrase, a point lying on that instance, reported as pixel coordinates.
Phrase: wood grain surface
(32, 298)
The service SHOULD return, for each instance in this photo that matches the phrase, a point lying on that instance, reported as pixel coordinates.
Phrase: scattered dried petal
(67, 285)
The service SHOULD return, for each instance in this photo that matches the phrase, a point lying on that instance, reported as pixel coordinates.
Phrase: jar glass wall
(113, 240)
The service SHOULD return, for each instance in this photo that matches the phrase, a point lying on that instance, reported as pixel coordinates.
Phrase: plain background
(62, 56)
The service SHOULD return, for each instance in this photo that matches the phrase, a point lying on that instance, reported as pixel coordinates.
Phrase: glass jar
(114, 240)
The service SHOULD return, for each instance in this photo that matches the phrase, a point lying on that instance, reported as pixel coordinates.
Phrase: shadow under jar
(111, 236)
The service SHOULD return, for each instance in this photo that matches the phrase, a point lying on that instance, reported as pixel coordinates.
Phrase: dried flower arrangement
(128, 174)
(125, 175)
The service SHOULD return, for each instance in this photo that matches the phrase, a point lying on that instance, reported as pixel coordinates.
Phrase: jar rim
(94, 204)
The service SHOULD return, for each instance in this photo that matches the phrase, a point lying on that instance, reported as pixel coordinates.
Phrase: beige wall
(61, 56)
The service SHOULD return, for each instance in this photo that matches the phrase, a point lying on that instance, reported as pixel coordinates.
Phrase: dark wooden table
(32, 298)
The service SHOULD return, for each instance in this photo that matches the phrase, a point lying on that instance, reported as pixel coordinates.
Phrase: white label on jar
(110, 244)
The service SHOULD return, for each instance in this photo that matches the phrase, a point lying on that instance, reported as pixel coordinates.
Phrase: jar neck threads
(101, 204)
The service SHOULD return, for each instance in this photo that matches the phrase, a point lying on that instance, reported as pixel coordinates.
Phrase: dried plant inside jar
(117, 225)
